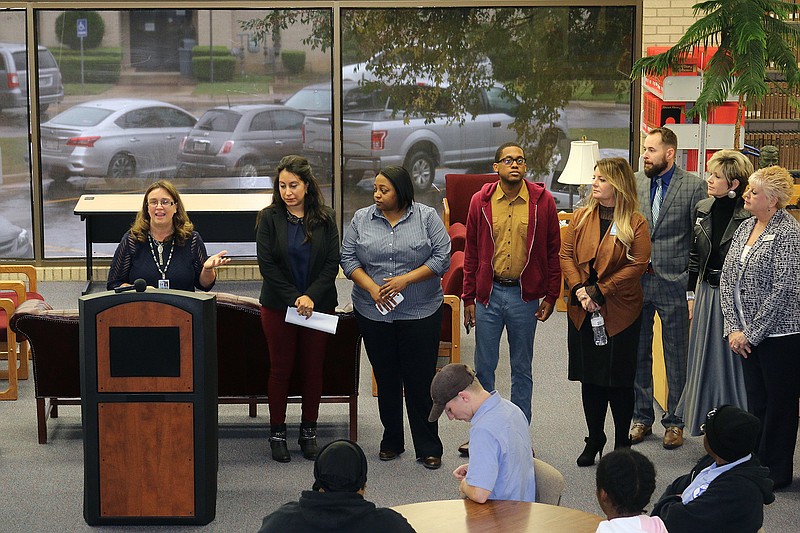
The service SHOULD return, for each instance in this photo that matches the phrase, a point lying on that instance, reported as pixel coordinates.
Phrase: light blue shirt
(500, 456)
(697, 487)
(419, 238)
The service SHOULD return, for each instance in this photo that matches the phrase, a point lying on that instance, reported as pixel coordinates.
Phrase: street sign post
(83, 31)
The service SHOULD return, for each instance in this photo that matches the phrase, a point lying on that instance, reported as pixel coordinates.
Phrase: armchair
(17, 284)
(459, 189)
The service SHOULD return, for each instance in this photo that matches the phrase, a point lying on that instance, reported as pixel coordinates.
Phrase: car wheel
(422, 168)
(247, 169)
(121, 166)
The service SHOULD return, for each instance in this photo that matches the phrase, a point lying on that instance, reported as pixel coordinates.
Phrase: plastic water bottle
(599, 329)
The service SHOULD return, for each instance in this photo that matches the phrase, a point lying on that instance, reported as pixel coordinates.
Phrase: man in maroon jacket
(510, 264)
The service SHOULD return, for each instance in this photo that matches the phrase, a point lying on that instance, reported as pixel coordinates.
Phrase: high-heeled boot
(593, 447)
(622, 441)
(277, 443)
(308, 439)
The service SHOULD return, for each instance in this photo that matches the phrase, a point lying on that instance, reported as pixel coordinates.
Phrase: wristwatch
(689, 296)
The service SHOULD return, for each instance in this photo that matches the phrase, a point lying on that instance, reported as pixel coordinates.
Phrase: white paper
(318, 321)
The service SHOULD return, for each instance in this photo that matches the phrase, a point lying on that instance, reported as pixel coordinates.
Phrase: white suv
(14, 77)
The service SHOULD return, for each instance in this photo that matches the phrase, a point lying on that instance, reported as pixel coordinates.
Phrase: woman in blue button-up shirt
(392, 249)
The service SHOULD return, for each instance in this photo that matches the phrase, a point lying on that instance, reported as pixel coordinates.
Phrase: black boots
(308, 439)
(277, 442)
(593, 447)
(307, 442)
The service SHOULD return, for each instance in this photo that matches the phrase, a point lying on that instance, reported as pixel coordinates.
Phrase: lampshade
(580, 164)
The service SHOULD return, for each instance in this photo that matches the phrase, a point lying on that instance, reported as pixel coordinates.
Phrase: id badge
(163, 284)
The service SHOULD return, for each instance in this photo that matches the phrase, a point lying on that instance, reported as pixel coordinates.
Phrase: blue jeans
(506, 309)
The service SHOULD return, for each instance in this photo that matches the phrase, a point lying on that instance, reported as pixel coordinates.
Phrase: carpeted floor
(43, 484)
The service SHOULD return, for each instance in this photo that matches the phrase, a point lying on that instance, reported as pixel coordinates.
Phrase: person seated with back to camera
(501, 459)
(728, 488)
(336, 500)
(625, 481)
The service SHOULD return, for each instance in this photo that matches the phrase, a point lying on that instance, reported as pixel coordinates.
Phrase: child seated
(625, 481)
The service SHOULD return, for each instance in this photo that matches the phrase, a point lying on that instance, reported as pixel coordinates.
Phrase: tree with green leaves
(752, 36)
(540, 54)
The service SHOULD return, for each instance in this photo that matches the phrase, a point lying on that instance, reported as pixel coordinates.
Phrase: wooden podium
(149, 407)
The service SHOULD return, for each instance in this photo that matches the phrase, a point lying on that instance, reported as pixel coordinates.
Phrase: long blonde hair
(619, 174)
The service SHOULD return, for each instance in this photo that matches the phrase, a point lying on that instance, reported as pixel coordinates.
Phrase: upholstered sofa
(243, 359)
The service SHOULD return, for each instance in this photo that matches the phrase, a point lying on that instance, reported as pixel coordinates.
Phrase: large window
(212, 98)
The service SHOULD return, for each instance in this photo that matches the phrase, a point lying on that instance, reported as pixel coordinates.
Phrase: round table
(456, 516)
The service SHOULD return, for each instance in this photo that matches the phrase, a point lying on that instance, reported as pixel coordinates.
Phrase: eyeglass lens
(163, 203)
(509, 160)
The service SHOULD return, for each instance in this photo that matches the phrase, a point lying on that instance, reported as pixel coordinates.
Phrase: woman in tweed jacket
(760, 296)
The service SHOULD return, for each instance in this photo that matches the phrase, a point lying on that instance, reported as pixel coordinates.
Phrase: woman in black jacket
(714, 375)
(298, 256)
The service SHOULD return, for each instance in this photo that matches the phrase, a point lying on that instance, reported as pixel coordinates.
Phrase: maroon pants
(288, 344)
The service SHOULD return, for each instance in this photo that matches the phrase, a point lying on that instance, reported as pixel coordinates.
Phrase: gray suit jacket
(671, 237)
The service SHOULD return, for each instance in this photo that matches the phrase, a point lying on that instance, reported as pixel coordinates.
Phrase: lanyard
(160, 245)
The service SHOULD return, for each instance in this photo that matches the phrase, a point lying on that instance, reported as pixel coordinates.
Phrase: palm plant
(752, 36)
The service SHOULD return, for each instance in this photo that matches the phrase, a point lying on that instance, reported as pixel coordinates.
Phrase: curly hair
(777, 183)
(182, 226)
(629, 479)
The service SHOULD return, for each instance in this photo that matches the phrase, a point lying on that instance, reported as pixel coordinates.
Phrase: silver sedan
(115, 138)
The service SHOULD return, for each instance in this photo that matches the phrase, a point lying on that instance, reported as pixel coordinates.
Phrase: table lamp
(579, 169)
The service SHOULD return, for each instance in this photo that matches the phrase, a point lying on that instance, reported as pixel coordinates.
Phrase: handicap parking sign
(83, 28)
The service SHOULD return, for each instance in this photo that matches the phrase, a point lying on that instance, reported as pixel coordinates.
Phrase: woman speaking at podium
(162, 247)
(297, 244)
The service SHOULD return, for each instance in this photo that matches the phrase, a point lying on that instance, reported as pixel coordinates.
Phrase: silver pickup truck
(372, 139)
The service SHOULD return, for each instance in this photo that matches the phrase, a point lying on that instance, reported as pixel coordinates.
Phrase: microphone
(139, 286)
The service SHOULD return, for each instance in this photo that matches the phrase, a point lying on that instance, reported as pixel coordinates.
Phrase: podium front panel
(146, 470)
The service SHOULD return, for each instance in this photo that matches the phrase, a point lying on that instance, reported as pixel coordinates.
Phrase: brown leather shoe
(464, 449)
(673, 437)
(431, 462)
(387, 455)
(639, 431)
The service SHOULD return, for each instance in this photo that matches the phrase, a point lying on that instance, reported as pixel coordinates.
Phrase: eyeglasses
(163, 202)
(508, 160)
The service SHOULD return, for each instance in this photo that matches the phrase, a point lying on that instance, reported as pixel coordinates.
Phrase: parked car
(241, 140)
(15, 242)
(373, 138)
(363, 70)
(14, 77)
(115, 138)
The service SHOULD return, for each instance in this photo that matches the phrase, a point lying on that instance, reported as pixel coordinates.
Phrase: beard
(655, 169)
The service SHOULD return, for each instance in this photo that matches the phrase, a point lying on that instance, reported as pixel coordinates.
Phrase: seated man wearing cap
(336, 501)
(728, 488)
(501, 462)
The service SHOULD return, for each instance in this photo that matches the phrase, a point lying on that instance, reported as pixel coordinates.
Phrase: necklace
(293, 218)
(159, 246)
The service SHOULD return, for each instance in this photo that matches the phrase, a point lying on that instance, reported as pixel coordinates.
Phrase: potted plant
(752, 37)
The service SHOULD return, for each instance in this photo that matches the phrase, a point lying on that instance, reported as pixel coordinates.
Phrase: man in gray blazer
(667, 196)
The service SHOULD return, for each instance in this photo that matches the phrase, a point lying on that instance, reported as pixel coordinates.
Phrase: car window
(359, 100)
(140, 118)
(313, 99)
(174, 118)
(261, 122)
(218, 120)
(46, 60)
(81, 116)
(2, 62)
(501, 101)
(283, 119)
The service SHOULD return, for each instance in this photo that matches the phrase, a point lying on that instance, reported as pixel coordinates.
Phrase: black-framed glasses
(163, 202)
(508, 160)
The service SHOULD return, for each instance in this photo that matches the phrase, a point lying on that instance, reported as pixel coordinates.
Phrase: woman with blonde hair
(760, 297)
(162, 247)
(714, 376)
(604, 253)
